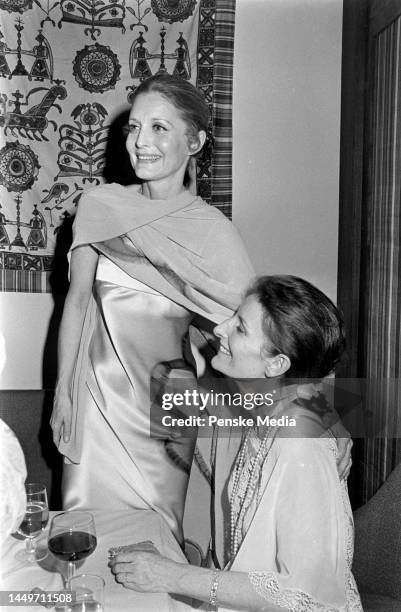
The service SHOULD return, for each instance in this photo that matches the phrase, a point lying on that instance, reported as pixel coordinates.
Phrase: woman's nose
(221, 330)
(217, 331)
(142, 137)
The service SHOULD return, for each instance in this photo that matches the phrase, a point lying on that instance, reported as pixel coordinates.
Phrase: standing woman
(145, 260)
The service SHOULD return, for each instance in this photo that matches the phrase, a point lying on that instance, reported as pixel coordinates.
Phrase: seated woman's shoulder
(304, 449)
(301, 424)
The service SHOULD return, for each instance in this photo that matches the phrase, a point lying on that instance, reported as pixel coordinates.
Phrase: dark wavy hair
(189, 101)
(301, 322)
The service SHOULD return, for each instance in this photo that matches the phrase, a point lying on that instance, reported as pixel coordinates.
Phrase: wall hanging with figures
(68, 69)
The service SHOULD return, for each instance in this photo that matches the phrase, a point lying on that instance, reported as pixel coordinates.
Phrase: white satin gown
(121, 465)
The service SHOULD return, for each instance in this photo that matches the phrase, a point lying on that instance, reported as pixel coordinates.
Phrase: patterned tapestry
(68, 69)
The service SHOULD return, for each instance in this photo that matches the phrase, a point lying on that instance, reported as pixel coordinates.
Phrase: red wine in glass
(72, 537)
(72, 545)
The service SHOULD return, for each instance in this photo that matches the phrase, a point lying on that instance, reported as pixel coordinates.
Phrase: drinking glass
(34, 521)
(72, 537)
(89, 593)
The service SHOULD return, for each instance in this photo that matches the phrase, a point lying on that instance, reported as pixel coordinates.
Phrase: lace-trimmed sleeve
(266, 585)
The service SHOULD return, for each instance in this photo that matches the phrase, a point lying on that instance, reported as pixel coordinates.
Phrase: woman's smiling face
(157, 142)
(242, 340)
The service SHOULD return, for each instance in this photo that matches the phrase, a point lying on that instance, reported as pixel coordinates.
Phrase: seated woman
(291, 521)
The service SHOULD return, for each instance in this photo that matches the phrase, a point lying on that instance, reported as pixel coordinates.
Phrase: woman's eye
(240, 329)
(159, 128)
(131, 128)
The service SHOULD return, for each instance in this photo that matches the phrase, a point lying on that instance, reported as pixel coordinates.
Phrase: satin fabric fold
(121, 466)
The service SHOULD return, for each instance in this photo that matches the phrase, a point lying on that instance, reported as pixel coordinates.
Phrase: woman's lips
(224, 350)
(148, 158)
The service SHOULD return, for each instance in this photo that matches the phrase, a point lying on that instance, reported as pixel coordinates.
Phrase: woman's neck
(161, 191)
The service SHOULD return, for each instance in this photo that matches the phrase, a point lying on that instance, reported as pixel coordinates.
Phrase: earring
(194, 146)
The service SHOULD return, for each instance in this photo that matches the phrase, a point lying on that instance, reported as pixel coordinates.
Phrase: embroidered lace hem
(266, 585)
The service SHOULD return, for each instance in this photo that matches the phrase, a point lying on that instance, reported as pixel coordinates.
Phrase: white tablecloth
(113, 528)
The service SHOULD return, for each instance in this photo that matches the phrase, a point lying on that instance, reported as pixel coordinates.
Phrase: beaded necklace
(243, 493)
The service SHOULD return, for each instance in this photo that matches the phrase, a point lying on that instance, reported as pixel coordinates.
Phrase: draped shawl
(183, 248)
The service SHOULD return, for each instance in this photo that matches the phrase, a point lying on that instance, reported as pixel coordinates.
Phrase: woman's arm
(141, 568)
(82, 272)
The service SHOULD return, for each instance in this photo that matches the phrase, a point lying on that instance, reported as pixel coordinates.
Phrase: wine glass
(89, 593)
(34, 521)
(72, 537)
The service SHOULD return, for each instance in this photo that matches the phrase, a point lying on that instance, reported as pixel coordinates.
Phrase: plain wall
(286, 159)
(25, 320)
(287, 86)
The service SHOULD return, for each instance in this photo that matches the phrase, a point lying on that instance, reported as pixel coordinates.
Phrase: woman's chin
(219, 363)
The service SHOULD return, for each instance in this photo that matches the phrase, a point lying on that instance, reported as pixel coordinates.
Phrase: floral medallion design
(173, 10)
(19, 167)
(96, 68)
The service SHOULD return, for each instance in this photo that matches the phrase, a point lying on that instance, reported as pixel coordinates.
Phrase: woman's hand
(61, 418)
(141, 567)
(344, 459)
(344, 447)
(200, 361)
